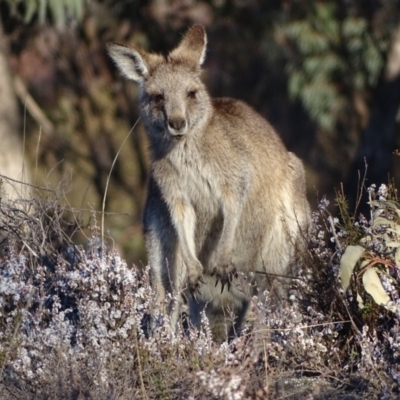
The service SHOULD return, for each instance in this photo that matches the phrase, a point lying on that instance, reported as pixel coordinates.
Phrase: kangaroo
(225, 199)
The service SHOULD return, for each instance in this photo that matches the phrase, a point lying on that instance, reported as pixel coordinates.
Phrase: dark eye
(192, 94)
(157, 98)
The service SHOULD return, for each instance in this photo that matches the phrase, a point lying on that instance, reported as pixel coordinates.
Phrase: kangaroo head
(174, 101)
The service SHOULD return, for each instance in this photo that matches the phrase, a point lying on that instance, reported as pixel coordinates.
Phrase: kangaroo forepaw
(195, 278)
(225, 275)
(194, 284)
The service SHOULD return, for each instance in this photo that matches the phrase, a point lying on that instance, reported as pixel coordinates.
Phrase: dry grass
(79, 323)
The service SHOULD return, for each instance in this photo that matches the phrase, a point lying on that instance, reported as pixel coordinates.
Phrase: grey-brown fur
(224, 194)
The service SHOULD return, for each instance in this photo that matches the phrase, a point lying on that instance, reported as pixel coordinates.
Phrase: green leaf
(31, 6)
(353, 27)
(296, 84)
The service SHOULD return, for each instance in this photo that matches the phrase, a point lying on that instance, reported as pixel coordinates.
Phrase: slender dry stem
(108, 181)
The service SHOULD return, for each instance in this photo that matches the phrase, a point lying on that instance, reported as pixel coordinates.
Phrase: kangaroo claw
(225, 275)
(222, 286)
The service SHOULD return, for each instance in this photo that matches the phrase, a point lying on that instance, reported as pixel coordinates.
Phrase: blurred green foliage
(334, 52)
(56, 10)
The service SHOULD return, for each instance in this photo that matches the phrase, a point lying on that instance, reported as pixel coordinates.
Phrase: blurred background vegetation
(325, 73)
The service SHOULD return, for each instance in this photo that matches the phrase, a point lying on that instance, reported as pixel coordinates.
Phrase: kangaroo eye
(157, 98)
(192, 94)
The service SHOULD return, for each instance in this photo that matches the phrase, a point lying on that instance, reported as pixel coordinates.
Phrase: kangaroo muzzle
(177, 126)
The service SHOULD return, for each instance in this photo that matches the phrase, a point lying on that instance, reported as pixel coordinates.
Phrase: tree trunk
(11, 152)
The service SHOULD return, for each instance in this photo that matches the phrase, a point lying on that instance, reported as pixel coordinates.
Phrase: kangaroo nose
(177, 123)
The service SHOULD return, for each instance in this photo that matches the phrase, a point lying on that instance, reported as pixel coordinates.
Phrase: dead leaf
(397, 257)
(382, 221)
(348, 261)
(393, 244)
(373, 286)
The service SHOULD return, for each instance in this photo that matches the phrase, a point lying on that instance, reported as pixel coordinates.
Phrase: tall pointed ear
(130, 62)
(193, 46)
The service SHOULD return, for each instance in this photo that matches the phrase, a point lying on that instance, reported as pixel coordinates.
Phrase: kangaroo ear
(130, 62)
(193, 46)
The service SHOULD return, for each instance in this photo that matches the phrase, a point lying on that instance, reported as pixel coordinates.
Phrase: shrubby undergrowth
(80, 323)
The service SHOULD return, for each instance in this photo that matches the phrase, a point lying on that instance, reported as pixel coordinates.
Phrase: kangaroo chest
(194, 180)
